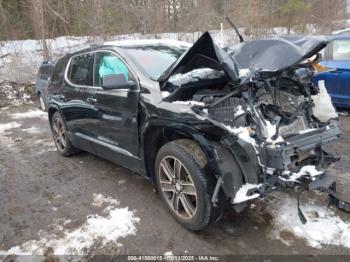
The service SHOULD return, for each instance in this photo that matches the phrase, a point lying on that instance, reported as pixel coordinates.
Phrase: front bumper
(284, 156)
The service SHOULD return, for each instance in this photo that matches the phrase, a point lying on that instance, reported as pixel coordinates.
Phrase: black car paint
(276, 54)
(203, 53)
(128, 127)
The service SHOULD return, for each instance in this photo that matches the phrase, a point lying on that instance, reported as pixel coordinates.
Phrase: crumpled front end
(273, 132)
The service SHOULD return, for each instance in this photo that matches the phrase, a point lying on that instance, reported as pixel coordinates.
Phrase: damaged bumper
(267, 166)
(288, 155)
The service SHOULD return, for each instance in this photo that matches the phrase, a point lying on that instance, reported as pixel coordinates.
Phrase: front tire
(59, 133)
(183, 184)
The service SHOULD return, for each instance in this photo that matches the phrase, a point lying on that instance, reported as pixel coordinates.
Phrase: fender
(187, 131)
(220, 160)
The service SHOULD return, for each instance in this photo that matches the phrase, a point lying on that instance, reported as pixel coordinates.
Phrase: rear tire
(183, 185)
(59, 133)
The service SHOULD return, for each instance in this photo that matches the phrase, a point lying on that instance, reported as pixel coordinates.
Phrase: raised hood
(276, 54)
(203, 54)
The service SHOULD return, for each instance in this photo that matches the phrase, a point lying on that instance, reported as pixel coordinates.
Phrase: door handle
(91, 100)
(61, 97)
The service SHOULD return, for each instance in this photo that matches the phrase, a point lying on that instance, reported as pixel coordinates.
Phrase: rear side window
(58, 70)
(341, 49)
(79, 71)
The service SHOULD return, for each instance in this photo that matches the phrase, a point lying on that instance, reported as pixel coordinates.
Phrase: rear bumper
(283, 156)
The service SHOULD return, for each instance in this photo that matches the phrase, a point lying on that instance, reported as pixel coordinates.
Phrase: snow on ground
(168, 255)
(322, 228)
(99, 200)
(29, 114)
(117, 223)
(242, 194)
(32, 130)
(8, 126)
(22, 58)
(13, 93)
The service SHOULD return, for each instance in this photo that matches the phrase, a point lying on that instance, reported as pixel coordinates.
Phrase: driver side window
(107, 63)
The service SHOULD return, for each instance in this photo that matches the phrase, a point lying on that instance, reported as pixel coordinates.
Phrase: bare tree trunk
(4, 19)
(38, 21)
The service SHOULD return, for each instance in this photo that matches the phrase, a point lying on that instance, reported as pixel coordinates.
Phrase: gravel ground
(44, 195)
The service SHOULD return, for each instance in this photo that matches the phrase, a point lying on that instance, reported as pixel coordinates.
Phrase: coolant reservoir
(323, 109)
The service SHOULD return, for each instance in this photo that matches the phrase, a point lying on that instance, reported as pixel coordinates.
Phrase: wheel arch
(51, 110)
(155, 135)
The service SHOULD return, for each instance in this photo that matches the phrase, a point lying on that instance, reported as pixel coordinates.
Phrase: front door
(114, 117)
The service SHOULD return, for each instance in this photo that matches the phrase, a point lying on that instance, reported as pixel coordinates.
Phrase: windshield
(154, 60)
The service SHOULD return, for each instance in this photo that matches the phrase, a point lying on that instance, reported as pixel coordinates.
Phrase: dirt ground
(39, 189)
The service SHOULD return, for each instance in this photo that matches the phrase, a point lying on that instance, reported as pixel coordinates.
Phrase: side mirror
(116, 81)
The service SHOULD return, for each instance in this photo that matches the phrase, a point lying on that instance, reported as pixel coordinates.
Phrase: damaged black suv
(204, 124)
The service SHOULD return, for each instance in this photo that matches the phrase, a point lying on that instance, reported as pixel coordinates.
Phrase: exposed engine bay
(267, 106)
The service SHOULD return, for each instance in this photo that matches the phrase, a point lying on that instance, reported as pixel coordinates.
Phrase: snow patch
(242, 133)
(322, 228)
(191, 103)
(243, 72)
(99, 200)
(29, 114)
(165, 94)
(169, 253)
(121, 182)
(270, 131)
(308, 170)
(32, 130)
(239, 111)
(241, 195)
(306, 130)
(8, 126)
(195, 75)
(118, 223)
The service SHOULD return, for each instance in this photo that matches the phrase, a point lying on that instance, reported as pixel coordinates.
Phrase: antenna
(235, 28)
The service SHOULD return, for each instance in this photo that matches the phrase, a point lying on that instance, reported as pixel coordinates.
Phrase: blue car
(336, 60)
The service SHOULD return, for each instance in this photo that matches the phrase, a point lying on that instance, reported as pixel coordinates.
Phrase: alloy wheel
(59, 135)
(177, 187)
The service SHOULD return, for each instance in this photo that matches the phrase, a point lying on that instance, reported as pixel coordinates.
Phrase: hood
(276, 54)
(203, 54)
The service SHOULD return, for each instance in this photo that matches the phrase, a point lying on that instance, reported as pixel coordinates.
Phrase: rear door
(113, 119)
(78, 78)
